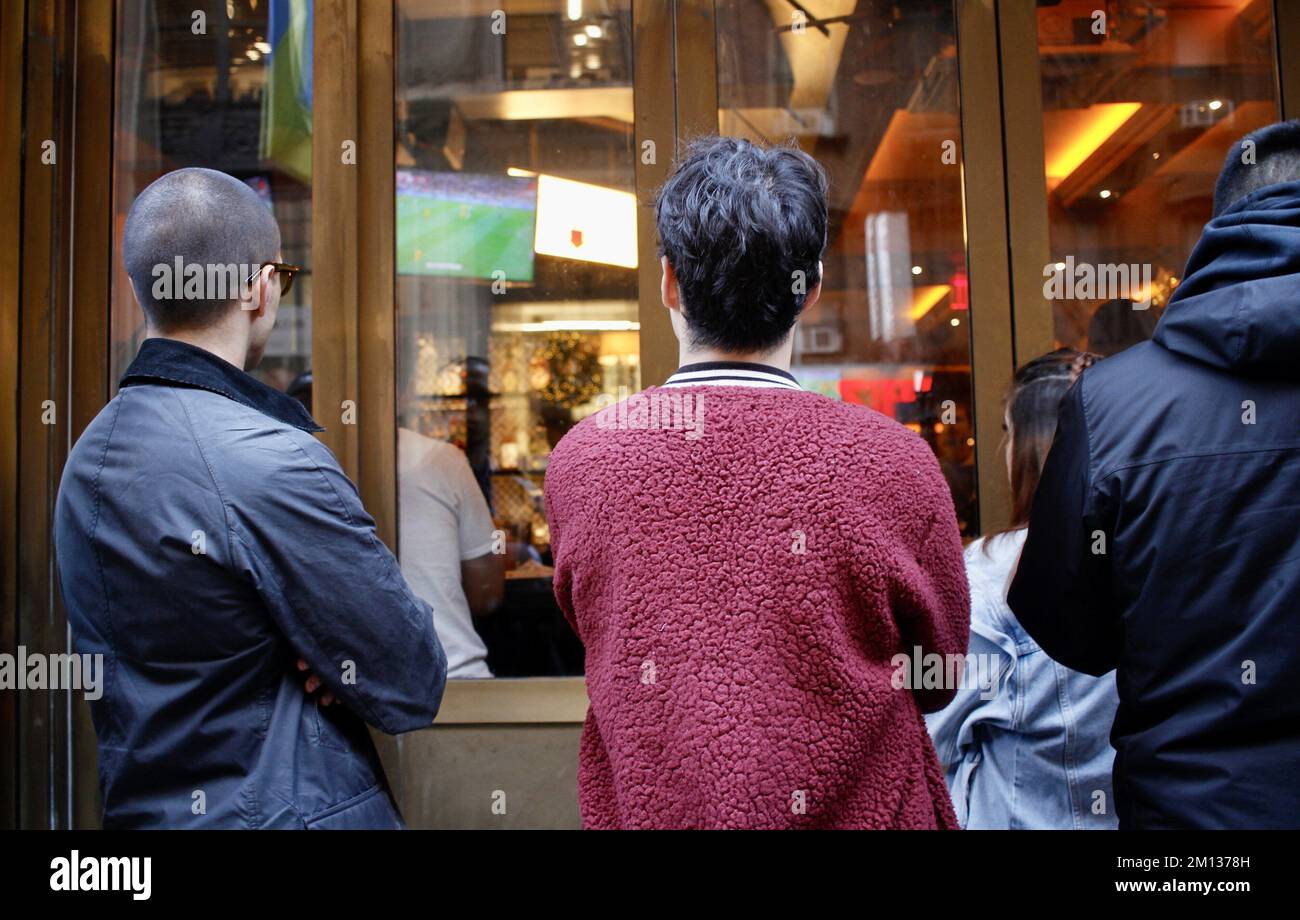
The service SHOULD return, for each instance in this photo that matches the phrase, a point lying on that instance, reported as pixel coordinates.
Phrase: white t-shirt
(444, 519)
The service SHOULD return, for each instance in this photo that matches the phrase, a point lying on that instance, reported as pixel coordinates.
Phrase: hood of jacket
(1238, 306)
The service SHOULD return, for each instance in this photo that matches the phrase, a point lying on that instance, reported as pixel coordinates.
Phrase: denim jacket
(206, 540)
(1025, 744)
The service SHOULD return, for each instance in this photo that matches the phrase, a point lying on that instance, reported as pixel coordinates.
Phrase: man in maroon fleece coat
(754, 569)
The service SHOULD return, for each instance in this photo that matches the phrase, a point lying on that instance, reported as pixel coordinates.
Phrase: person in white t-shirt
(445, 546)
(446, 541)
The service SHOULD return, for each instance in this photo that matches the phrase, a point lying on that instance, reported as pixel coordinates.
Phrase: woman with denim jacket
(1025, 744)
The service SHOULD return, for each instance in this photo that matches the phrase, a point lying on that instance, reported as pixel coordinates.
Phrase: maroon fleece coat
(741, 594)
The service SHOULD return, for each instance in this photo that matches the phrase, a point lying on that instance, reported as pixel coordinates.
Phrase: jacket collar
(167, 362)
(732, 374)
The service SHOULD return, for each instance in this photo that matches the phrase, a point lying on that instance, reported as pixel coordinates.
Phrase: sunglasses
(286, 272)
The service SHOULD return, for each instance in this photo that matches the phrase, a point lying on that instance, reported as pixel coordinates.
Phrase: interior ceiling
(1192, 49)
(1125, 115)
(870, 92)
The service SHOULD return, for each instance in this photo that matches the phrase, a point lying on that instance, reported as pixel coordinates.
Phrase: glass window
(871, 92)
(223, 86)
(1141, 102)
(516, 299)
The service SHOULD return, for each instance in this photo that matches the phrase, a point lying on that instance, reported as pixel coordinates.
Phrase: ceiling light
(570, 325)
(1085, 133)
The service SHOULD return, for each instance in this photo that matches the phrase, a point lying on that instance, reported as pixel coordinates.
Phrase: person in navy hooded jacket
(1164, 541)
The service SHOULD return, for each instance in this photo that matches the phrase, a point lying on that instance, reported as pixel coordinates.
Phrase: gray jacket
(206, 540)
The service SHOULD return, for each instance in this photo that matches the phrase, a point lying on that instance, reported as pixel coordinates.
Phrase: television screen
(465, 225)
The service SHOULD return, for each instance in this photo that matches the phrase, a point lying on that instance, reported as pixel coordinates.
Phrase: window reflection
(516, 299)
(871, 92)
(228, 91)
(1141, 101)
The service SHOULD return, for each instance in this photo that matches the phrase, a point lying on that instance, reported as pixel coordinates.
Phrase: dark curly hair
(738, 223)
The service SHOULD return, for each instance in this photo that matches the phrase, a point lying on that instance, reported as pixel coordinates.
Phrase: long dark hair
(1032, 403)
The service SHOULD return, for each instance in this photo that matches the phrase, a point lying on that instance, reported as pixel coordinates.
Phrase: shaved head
(195, 217)
(1274, 158)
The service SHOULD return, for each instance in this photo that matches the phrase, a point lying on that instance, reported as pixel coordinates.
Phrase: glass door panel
(871, 91)
(1141, 102)
(516, 257)
(225, 87)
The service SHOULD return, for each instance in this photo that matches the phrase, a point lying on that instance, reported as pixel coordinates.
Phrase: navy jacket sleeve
(1062, 589)
(334, 589)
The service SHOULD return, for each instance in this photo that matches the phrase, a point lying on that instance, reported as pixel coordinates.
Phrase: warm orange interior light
(925, 297)
(1079, 133)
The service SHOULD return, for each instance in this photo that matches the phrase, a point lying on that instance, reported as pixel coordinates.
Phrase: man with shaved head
(213, 552)
(205, 220)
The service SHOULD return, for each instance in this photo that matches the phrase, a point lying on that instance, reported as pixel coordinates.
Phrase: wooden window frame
(55, 260)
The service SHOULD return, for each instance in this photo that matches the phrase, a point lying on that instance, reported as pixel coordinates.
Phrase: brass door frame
(13, 29)
(1026, 176)
(55, 203)
(42, 378)
(335, 193)
(91, 273)
(655, 40)
(987, 251)
(353, 230)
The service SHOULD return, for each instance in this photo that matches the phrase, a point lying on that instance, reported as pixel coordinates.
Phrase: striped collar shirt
(732, 374)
